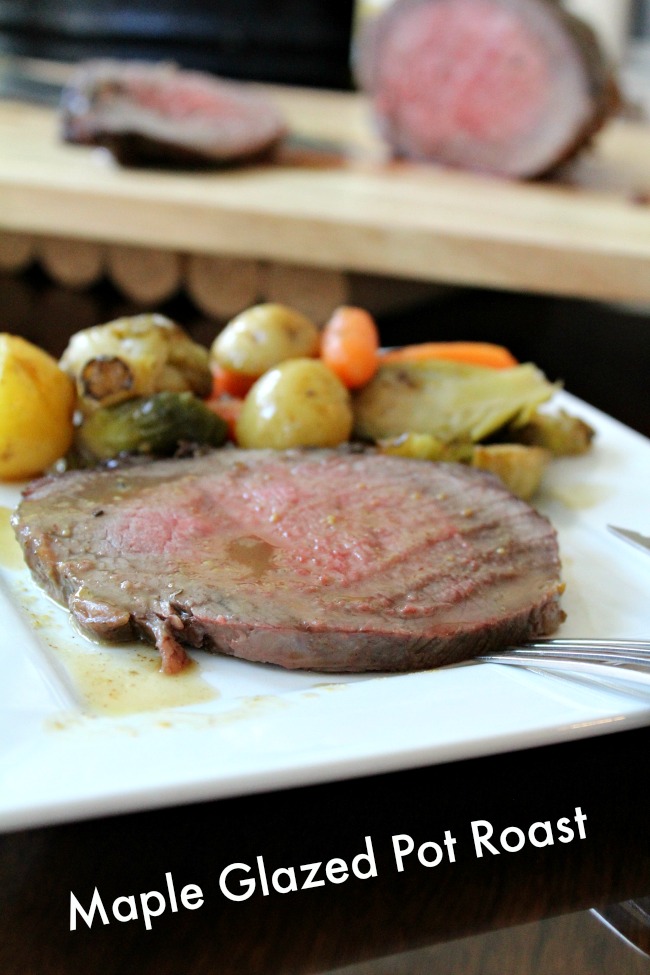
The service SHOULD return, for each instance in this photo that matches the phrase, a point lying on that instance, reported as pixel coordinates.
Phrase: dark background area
(305, 42)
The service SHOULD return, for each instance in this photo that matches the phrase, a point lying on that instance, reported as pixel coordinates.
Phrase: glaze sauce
(11, 556)
(128, 680)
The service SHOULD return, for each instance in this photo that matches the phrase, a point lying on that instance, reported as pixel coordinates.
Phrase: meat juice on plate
(120, 681)
(107, 680)
(11, 556)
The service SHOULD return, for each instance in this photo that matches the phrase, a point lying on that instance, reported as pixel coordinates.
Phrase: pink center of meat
(462, 69)
(269, 523)
(180, 99)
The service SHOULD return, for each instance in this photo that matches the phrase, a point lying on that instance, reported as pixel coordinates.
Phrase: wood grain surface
(332, 199)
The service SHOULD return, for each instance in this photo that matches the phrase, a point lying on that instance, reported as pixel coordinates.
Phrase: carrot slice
(225, 382)
(350, 345)
(473, 353)
(228, 408)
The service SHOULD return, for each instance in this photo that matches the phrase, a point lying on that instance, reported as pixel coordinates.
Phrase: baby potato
(263, 336)
(36, 405)
(300, 403)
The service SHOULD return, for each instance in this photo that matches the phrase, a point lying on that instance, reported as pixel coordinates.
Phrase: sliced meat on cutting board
(510, 87)
(158, 113)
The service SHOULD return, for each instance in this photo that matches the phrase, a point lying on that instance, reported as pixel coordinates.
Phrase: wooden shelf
(332, 200)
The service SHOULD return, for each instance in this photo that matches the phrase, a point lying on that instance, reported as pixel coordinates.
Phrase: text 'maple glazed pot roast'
(505, 87)
(326, 560)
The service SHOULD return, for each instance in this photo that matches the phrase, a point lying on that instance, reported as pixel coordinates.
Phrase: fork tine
(633, 537)
(620, 665)
(577, 643)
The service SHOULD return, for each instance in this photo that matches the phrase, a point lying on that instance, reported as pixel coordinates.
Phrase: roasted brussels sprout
(453, 402)
(263, 336)
(300, 403)
(154, 425)
(135, 356)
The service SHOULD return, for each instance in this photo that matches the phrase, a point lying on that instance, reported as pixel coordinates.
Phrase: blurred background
(600, 351)
(293, 41)
(303, 42)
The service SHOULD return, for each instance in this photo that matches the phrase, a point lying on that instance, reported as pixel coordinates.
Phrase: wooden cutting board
(333, 199)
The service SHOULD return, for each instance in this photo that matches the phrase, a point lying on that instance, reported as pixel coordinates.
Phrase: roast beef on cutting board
(323, 560)
(509, 87)
(158, 113)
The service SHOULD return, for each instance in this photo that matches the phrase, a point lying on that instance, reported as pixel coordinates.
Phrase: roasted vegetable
(36, 407)
(300, 403)
(561, 433)
(135, 356)
(263, 336)
(451, 401)
(424, 446)
(471, 353)
(350, 345)
(155, 425)
(519, 467)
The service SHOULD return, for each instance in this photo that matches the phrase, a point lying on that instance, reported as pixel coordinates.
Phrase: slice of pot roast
(506, 87)
(320, 560)
(160, 114)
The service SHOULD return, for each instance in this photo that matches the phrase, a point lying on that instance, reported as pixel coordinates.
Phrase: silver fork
(622, 666)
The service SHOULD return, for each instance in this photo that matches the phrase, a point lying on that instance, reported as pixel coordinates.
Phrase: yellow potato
(263, 336)
(300, 403)
(36, 405)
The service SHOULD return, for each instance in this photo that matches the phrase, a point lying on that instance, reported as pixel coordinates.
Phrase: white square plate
(88, 731)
